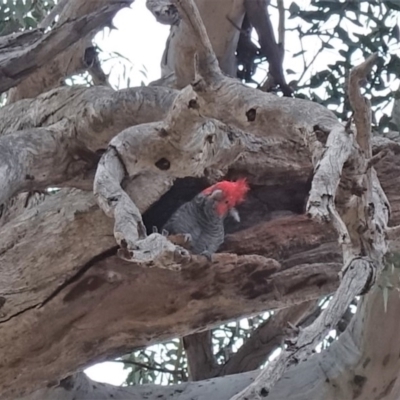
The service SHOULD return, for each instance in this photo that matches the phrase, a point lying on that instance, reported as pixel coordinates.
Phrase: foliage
(162, 364)
(19, 15)
(354, 30)
(166, 363)
(323, 41)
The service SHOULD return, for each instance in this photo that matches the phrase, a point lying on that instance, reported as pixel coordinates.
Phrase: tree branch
(363, 249)
(56, 10)
(362, 361)
(200, 355)
(91, 291)
(23, 53)
(257, 12)
(65, 153)
(37, 158)
(264, 340)
(185, 144)
(72, 60)
(147, 366)
(177, 61)
(82, 388)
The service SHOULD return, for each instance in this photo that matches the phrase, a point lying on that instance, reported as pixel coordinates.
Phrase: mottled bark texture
(27, 58)
(76, 287)
(49, 65)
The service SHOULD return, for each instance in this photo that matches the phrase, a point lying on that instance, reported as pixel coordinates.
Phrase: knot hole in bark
(163, 133)
(193, 104)
(90, 55)
(210, 139)
(321, 134)
(251, 114)
(163, 164)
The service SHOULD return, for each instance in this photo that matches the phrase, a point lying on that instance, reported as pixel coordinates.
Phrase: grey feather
(199, 219)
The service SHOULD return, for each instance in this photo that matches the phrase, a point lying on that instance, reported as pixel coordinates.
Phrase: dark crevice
(163, 164)
(102, 256)
(182, 191)
(263, 203)
(18, 313)
(120, 159)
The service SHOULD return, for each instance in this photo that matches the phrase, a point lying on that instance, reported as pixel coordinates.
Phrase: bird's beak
(217, 195)
(234, 214)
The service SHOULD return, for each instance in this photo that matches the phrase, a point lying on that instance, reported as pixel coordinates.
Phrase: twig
(306, 67)
(151, 368)
(281, 26)
(360, 106)
(377, 157)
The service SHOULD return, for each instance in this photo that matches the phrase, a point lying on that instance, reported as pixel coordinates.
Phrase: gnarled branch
(23, 53)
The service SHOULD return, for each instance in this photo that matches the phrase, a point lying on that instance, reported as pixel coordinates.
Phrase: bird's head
(227, 195)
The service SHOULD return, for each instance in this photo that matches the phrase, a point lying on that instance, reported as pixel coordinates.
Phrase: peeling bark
(359, 365)
(184, 144)
(91, 289)
(82, 388)
(62, 278)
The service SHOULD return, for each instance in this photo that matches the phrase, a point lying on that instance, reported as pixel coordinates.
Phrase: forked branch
(360, 221)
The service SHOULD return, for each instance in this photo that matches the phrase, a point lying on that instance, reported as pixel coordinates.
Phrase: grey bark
(62, 279)
(23, 53)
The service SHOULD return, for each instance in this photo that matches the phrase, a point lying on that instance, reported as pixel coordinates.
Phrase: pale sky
(141, 40)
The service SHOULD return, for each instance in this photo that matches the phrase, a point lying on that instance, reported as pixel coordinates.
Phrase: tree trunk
(82, 281)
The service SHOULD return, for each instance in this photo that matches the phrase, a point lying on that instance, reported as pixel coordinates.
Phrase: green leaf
(319, 78)
(392, 4)
(310, 16)
(294, 10)
(343, 35)
(395, 34)
(327, 45)
(298, 54)
(29, 22)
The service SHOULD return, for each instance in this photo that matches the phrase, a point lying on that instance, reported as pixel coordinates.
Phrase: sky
(139, 43)
(139, 38)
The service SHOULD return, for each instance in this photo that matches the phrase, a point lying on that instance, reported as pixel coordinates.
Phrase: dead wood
(21, 54)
